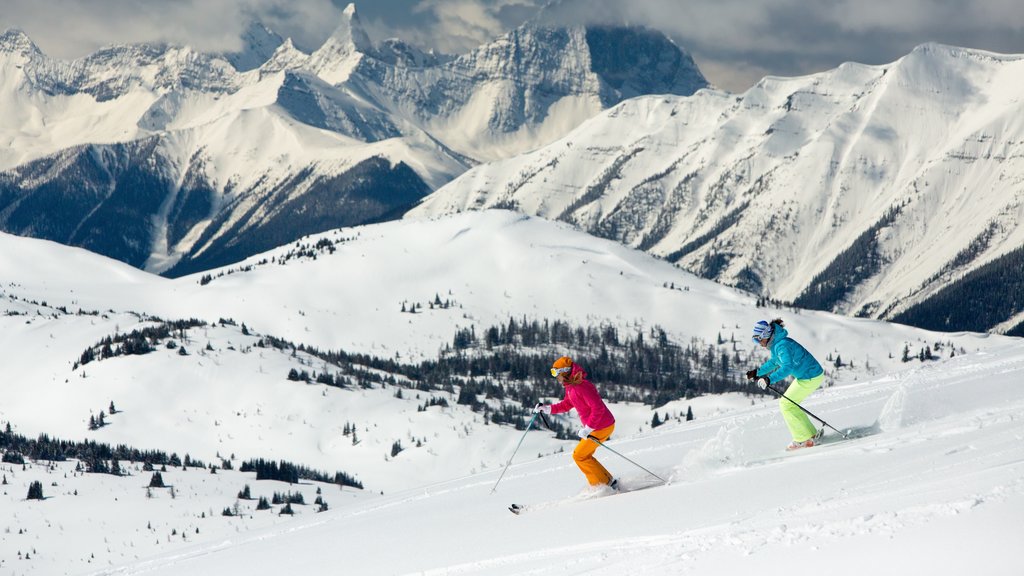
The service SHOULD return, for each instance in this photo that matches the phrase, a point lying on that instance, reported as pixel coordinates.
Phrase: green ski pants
(800, 425)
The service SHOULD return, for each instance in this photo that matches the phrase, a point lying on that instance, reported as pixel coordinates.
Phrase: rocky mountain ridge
(217, 160)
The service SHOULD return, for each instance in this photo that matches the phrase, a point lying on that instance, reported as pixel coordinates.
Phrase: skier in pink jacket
(598, 422)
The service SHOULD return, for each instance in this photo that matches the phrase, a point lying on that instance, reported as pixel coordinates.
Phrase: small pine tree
(35, 490)
(263, 504)
(156, 481)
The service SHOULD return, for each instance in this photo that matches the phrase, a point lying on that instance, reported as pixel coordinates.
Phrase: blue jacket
(788, 357)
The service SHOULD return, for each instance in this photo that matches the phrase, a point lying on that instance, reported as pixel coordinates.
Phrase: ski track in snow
(821, 518)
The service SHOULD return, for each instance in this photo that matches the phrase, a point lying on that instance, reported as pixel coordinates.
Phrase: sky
(735, 42)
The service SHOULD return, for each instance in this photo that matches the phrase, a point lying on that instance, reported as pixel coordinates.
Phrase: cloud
(448, 26)
(735, 42)
(73, 28)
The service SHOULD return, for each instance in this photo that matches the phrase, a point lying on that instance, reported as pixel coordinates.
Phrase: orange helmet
(561, 366)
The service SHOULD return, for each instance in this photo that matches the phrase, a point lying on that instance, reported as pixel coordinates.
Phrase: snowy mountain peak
(351, 32)
(635, 60)
(397, 52)
(15, 41)
(286, 56)
(259, 44)
(335, 60)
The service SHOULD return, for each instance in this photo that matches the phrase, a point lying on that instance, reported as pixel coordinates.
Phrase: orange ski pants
(584, 457)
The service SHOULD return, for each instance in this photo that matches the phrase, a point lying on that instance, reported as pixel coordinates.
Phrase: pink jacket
(586, 400)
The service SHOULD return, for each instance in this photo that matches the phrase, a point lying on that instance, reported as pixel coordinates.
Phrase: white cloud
(74, 28)
(735, 41)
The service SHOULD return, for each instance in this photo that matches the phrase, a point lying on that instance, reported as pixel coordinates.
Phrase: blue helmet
(762, 331)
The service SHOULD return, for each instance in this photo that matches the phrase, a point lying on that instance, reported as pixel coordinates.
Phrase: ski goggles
(557, 371)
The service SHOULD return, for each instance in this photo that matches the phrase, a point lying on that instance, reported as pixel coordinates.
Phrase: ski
(623, 488)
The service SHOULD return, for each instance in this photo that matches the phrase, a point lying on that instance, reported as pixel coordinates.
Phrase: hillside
(930, 482)
(202, 367)
(886, 191)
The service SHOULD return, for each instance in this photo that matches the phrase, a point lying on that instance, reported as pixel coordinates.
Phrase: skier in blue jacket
(789, 358)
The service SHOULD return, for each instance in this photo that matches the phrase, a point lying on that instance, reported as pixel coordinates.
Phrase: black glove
(763, 382)
(751, 374)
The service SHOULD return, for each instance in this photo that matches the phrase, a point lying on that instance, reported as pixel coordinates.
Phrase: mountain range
(357, 264)
(889, 191)
(175, 161)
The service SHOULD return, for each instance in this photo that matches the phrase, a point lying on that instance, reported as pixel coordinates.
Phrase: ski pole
(808, 412)
(514, 452)
(603, 445)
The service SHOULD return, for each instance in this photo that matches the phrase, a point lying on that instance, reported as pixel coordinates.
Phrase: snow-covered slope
(199, 160)
(933, 482)
(231, 394)
(890, 182)
(348, 292)
(228, 396)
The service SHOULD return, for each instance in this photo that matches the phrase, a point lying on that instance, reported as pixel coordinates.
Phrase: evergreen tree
(35, 490)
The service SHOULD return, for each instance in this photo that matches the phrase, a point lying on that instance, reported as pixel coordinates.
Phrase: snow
(939, 488)
(806, 165)
(939, 455)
